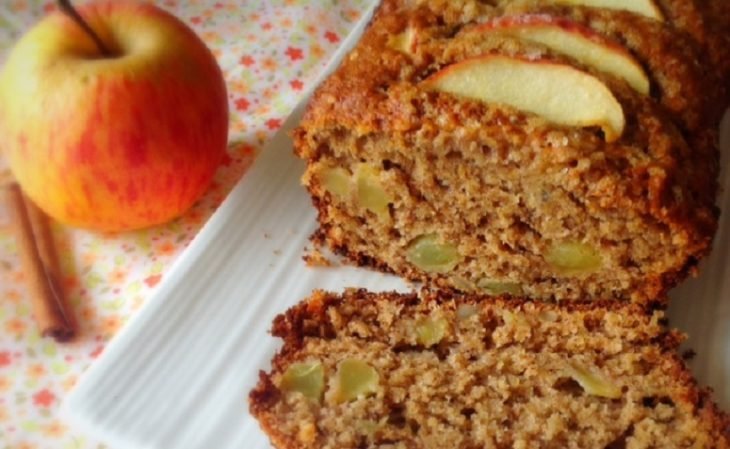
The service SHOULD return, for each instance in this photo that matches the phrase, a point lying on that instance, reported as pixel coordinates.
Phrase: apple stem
(69, 10)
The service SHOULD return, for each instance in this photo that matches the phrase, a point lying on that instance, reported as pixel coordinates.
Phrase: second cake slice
(434, 371)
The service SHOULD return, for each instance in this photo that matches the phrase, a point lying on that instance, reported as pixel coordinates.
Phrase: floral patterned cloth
(270, 52)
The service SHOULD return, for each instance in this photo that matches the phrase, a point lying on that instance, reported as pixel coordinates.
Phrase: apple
(646, 8)
(575, 40)
(557, 92)
(117, 136)
(405, 41)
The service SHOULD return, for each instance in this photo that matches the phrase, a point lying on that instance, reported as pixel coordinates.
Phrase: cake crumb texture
(463, 371)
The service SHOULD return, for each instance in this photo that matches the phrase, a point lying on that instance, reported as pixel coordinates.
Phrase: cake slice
(366, 370)
(466, 159)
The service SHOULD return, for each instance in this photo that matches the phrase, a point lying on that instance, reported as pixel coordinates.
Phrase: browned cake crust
(475, 372)
(505, 188)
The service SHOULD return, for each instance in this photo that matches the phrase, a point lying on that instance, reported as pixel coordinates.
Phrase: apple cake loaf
(366, 370)
(555, 151)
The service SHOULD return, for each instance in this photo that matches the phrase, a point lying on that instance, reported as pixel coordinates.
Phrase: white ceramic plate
(178, 375)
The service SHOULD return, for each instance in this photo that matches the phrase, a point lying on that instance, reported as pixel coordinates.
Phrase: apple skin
(558, 92)
(577, 41)
(113, 143)
(647, 8)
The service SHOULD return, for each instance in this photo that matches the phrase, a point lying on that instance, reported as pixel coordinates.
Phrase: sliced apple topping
(370, 192)
(430, 254)
(306, 378)
(592, 382)
(646, 8)
(575, 40)
(430, 331)
(573, 258)
(405, 41)
(355, 379)
(557, 92)
(336, 181)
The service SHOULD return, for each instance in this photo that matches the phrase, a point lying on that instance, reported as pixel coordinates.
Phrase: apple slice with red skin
(557, 92)
(576, 41)
(646, 8)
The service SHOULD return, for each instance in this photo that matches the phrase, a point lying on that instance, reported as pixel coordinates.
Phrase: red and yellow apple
(559, 93)
(113, 141)
(575, 40)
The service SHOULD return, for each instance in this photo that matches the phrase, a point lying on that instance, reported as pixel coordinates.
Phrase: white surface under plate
(178, 375)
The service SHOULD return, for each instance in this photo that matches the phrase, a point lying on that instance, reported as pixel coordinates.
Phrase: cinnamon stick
(40, 263)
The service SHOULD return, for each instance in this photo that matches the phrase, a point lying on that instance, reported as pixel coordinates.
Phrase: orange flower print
(18, 276)
(166, 248)
(5, 358)
(15, 326)
(239, 86)
(89, 258)
(269, 64)
(25, 445)
(111, 324)
(87, 314)
(69, 383)
(5, 383)
(13, 296)
(55, 429)
(153, 280)
(352, 14)
(44, 398)
(316, 51)
(35, 371)
(117, 276)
